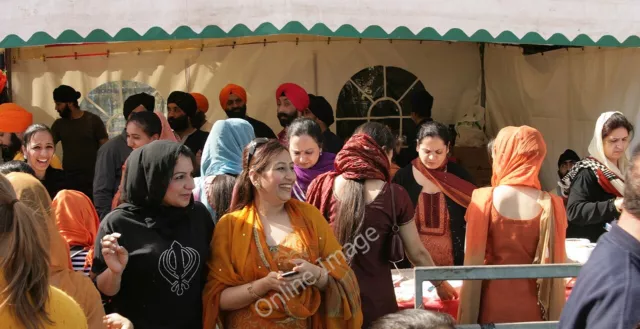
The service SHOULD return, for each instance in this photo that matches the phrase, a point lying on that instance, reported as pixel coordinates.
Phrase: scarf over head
(184, 101)
(304, 177)
(241, 255)
(231, 89)
(14, 118)
(296, 95)
(222, 154)
(30, 191)
(65, 94)
(77, 220)
(518, 156)
(149, 171)
(146, 100)
(361, 158)
(610, 176)
(202, 102)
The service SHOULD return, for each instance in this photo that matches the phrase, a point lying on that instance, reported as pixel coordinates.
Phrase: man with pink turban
(292, 100)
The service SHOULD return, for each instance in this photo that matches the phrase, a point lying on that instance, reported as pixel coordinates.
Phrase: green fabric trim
(294, 27)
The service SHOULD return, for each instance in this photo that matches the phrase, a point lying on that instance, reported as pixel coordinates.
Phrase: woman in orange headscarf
(514, 222)
(78, 223)
(267, 234)
(30, 191)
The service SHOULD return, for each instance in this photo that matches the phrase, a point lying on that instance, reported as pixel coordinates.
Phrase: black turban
(65, 94)
(184, 101)
(319, 106)
(146, 100)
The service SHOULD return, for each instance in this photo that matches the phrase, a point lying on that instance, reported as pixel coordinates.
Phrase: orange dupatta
(30, 191)
(77, 220)
(247, 258)
(518, 156)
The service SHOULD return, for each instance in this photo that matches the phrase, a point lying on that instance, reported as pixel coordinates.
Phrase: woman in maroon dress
(356, 199)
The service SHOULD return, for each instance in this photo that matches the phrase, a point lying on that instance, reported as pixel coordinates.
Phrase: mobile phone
(290, 274)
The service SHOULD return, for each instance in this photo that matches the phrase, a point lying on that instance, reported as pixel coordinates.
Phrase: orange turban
(231, 89)
(201, 102)
(14, 119)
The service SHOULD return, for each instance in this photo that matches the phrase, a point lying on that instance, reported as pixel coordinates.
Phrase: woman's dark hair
(435, 129)
(16, 166)
(24, 242)
(616, 121)
(305, 126)
(415, 319)
(148, 121)
(260, 154)
(32, 130)
(350, 213)
(222, 191)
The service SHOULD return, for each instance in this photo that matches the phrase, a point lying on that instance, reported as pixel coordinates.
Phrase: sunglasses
(253, 146)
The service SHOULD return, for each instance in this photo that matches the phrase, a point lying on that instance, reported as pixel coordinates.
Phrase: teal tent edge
(347, 31)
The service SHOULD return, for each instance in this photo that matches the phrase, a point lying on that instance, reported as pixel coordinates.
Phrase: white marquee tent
(103, 48)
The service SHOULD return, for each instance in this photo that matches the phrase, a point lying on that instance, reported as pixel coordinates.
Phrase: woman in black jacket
(595, 185)
(161, 236)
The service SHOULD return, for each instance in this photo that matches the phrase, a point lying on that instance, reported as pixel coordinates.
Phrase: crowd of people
(179, 222)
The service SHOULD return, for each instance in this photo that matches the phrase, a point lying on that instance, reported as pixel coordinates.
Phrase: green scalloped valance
(348, 31)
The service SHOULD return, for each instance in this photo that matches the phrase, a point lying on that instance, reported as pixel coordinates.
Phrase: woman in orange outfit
(514, 222)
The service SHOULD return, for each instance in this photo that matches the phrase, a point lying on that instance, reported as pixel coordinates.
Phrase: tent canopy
(558, 22)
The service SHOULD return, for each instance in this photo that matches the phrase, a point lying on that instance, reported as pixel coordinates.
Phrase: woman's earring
(257, 185)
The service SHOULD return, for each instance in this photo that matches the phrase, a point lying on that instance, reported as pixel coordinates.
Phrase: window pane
(371, 80)
(405, 104)
(352, 103)
(393, 124)
(345, 128)
(398, 81)
(385, 108)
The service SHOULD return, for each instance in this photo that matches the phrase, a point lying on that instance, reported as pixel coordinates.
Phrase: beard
(286, 119)
(237, 112)
(9, 151)
(180, 123)
(65, 113)
(198, 120)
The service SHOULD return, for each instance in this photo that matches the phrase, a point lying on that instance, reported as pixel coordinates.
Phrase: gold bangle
(253, 293)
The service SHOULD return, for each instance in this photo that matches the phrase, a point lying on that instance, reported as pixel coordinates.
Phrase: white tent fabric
(570, 18)
(561, 93)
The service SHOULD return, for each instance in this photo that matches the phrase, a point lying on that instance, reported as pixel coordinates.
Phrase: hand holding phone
(289, 274)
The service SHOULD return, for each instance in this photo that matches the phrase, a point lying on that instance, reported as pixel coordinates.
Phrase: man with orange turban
(233, 100)
(14, 120)
(292, 100)
(199, 121)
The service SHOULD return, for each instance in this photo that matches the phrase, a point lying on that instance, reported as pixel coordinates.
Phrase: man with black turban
(81, 134)
(113, 154)
(321, 112)
(181, 109)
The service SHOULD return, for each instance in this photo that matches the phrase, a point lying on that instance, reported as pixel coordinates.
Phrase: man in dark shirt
(421, 105)
(113, 154)
(181, 107)
(81, 134)
(321, 112)
(233, 100)
(607, 292)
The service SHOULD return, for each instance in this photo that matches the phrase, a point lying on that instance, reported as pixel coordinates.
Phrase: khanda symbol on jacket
(178, 265)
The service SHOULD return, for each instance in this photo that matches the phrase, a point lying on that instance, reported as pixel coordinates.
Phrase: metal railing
(494, 272)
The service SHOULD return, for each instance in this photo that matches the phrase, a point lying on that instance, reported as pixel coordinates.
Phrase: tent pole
(483, 86)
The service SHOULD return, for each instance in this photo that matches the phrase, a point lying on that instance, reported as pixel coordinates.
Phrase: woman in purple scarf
(305, 147)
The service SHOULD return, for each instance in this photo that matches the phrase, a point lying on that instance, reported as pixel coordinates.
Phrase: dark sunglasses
(253, 146)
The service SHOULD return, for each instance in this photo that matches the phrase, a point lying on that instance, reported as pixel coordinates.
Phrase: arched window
(377, 93)
(107, 101)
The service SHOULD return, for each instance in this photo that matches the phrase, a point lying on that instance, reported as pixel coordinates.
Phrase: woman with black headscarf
(161, 236)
